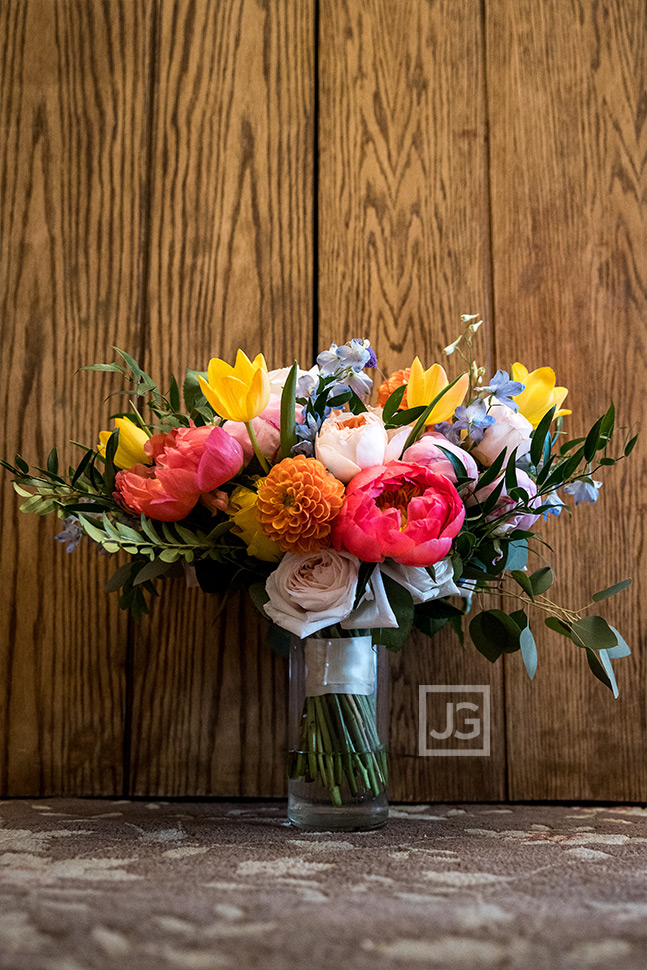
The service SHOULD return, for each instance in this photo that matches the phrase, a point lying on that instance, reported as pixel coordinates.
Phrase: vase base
(346, 818)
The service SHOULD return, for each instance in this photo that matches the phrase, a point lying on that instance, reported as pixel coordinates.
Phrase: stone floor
(109, 885)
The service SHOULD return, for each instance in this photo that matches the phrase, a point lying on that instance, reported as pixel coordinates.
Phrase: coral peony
(386, 389)
(140, 490)
(297, 503)
(399, 510)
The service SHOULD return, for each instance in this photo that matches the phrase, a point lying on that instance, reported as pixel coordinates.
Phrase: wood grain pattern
(566, 85)
(73, 107)
(230, 266)
(403, 251)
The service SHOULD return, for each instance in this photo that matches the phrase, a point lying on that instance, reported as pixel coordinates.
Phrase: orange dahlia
(386, 389)
(297, 503)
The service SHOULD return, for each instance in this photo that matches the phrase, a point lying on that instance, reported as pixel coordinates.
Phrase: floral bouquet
(348, 522)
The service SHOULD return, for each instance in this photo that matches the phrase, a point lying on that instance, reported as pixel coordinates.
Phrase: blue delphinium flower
(555, 503)
(328, 361)
(473, 419)
(583, 490)
(504, 389)
(71, 534)
(306, 434)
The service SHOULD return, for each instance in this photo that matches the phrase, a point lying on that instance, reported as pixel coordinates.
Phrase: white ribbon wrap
(342, 666)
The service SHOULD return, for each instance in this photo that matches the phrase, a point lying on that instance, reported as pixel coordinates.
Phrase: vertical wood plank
(73, 105)
(566, 84)
(403, 251)
(230, 266)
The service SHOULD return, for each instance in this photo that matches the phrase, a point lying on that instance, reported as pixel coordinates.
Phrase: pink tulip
(427, 452)
(399, 510)
(266, 428)
(139, 490)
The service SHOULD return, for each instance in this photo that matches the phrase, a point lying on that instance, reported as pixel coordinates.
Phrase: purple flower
(583, 490)
(71, 534)
(503, 389)
(473, 419)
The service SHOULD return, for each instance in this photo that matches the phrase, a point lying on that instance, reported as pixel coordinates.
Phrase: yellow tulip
(130, 450)
(237, 393)
(540, 393)
(242, 512)
(424, 385)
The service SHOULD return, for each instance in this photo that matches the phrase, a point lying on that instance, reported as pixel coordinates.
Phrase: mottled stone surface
(105, 885)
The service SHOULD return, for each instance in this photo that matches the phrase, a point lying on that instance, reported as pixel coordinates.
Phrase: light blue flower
(555, 503)
(504, 389)
(583, 490)
(328, 361)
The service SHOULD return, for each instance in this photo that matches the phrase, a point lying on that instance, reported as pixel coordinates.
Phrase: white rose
(347, 443)
(419, 583)
(279, 376)
(374, 610)
(312, 591)
(509, 431)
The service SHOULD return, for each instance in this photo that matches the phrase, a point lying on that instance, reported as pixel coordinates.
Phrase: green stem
(257, 448)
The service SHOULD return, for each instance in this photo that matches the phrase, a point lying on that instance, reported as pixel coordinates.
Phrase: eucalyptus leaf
(594, 633)
(542, 579)
(523, 580)
(611, 590)
(528, 651)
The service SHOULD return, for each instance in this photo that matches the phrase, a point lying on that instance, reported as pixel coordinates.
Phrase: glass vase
(337, 734)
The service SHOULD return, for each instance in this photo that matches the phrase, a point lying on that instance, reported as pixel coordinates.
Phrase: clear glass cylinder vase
(337, 734)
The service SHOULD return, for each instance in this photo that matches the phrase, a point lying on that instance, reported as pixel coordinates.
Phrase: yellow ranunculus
(242, 512)
(540, 393)
(237, 393)
(424, 385)
(130, 450)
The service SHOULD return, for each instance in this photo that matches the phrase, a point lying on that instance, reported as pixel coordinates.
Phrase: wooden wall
(181, 177)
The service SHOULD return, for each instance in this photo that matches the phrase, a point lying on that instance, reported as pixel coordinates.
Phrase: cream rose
(347, 443)
(312, 591)
(508, 432)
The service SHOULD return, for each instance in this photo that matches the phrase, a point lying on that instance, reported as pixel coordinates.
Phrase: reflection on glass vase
(337, 734)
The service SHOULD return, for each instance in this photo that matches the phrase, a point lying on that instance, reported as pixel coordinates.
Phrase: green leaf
(193, 396)
(542, 579)
(149, 530)
(593, 632)
(459, 468)
(402, 605)
(511, 472)
(491, 473)
(406, 417)
(132, 363)
(393, 403)
(598, 669)
(611, 590)
(528, 651)
(593, 439)
(82, 465)
(169, 555)
(91, 529)
(110, 471)
(151, 570)
(174, 395)
(105, 368)
(21, 464)
(494, 632)
(631, 444)
(288, 409)
(539, 436)
(52, 462)
(553, 623)
(259, 597)
(569, 445)
(608, 421)
(120, 577)
(523, 580)
(517, 554)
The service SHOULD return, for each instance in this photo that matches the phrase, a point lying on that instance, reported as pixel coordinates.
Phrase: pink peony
(427, 452)
(196, 460)
(399, 510)
(139, 490)
(266, 428)
(504, 508)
